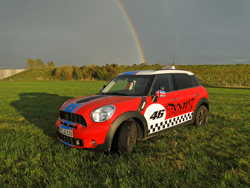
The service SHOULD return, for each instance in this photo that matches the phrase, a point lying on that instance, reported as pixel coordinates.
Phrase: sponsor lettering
(176, 109)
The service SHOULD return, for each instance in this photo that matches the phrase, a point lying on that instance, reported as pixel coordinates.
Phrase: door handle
(175, 99)
(197, 94)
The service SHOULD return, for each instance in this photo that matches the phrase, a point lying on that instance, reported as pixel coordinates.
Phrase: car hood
(83, 104)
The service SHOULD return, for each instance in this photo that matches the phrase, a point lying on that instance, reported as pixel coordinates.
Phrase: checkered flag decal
(170, 122)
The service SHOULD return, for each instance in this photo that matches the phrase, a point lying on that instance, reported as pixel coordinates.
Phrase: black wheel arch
(128, 116)
(203, 101)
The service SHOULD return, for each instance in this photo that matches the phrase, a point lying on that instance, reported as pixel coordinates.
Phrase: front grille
(70, 140)
(69, 125)
(76, 118)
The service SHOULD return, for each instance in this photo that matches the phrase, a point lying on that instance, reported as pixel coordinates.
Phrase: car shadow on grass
(40, 109)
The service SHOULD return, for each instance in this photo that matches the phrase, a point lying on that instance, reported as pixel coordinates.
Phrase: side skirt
(168, 129)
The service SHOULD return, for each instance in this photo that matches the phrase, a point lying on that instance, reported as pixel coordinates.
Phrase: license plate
(65, 132)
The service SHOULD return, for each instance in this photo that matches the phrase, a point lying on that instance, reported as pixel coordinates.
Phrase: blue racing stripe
(65, 127)
(66, 143)
(130, 73)
(68, 122)
(71, 107)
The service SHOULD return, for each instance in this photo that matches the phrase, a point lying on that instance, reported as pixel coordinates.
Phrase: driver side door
(160, 107)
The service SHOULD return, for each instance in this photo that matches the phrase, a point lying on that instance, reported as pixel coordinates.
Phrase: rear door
(188, 94)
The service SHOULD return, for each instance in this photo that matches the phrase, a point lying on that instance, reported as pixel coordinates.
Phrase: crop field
(216, 155)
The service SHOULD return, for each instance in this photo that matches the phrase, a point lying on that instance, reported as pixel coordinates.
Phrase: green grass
(217, 155)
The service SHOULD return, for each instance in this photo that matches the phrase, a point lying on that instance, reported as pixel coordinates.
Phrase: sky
(125, 32)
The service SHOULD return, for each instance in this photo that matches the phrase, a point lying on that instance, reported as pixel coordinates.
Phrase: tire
(201, 116)
(127, 137)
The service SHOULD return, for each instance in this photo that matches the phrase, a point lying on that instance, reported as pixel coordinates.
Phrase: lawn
(217, 155)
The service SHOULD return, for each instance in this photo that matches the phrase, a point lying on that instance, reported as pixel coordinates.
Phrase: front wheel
(127, 137)
(201, 116)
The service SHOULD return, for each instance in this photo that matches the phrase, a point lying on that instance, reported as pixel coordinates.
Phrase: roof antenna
(174, 60)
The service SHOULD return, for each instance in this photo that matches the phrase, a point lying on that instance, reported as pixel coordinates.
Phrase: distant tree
(111, 71)
(144, 64)
(58, 73)
(115, 66)
(64, 72)
(84, 72)
(50, 65)
(31, 64)
(100, 73)
(75, 72)
(39, 63)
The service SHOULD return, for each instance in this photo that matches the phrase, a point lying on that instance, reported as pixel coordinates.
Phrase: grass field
(217, 155)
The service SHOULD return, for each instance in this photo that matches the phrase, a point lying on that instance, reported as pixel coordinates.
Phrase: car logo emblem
(69, 108)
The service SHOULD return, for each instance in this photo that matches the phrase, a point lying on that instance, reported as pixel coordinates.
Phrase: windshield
(129, 85)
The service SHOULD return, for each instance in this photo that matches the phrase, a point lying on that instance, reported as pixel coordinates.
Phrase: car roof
(154, 72)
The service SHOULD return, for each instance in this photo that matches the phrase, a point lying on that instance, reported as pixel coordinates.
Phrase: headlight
(102, 114)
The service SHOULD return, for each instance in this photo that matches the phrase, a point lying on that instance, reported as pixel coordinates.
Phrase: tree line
(38, 64)
(209, 75)
(67, 72)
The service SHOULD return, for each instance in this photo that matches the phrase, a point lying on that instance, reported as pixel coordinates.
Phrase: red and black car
(135, 105)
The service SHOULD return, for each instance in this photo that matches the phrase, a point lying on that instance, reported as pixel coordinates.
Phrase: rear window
(183, 81)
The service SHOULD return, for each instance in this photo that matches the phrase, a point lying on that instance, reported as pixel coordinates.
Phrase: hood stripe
(81, 105)
(88, 99)
(74, 106)
(65, 106)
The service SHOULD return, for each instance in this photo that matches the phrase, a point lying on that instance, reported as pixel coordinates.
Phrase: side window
(183, 81)
(195, 80)
(164, 80)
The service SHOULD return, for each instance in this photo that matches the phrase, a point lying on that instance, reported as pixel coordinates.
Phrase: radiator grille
(75, 118)
(70, 140)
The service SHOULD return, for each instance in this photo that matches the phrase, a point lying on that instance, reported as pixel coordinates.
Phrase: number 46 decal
(157, 114)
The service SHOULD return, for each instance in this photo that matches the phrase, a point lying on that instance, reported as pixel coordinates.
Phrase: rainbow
(132, 29)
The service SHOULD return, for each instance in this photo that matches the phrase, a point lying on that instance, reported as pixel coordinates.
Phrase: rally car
(135, 105)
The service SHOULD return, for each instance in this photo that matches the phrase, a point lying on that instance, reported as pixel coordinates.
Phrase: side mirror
(159, 93)
(102, 88)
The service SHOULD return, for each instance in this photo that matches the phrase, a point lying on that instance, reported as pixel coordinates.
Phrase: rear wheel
(127, 137)
(201, 116)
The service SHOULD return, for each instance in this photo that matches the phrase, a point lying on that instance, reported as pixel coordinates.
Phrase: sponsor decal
(160, 118)
(171, 122)
(155, 113)
(176, 109)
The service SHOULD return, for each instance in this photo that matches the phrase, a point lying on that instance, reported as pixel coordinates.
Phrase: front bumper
(90, 138)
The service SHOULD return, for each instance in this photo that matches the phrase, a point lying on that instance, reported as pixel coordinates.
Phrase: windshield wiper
(115, 93)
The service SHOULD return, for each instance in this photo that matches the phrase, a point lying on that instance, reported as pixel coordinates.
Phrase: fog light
(77, 142)
(94, 142)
